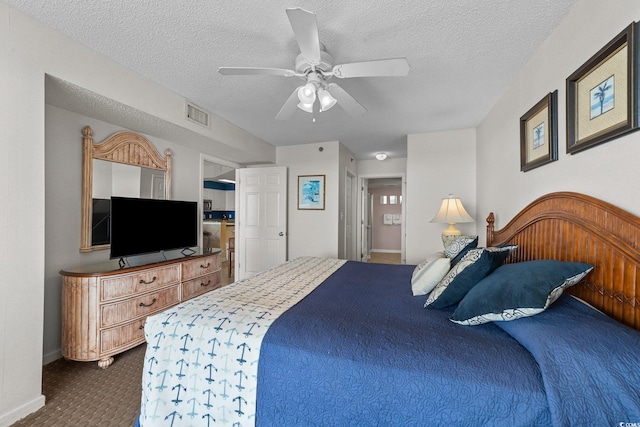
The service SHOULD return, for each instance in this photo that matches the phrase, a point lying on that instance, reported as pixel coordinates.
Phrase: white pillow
(429, 272)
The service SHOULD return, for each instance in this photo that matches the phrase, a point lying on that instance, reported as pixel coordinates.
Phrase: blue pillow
(473, 267)
(518, 290)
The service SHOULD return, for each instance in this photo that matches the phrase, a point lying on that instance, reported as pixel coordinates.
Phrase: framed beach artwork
(601, 102)
(311, 192)
(539, 133)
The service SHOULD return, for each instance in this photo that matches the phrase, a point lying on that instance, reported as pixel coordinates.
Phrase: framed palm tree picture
(539, 133)
(601, 94)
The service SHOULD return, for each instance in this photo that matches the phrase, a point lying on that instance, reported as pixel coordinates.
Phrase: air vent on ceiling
(197, 115)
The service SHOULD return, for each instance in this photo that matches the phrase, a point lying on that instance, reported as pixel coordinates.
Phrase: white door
(350, 217)
(261, 225)
(365, 220)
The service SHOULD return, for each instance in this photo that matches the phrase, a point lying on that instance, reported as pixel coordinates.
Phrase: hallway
(384, 258)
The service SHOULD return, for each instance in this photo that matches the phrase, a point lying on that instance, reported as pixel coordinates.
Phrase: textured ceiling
(463, 55)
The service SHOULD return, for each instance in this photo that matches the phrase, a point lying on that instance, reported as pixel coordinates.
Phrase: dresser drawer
(139, 282)
(198, 286)
(120, 338)
(199, 267)
(123, 311)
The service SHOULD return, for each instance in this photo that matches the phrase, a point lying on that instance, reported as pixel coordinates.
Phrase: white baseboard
(51, 357)
(387, 251)
(19, 413)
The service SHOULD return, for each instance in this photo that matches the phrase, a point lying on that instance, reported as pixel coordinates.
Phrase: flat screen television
(142, 226)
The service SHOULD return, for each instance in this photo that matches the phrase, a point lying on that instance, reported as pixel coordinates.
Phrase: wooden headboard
(574, 227)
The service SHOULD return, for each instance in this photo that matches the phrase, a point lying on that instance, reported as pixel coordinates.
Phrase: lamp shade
(307, 93)
(326, 100)
(306, 107)
(452, 211)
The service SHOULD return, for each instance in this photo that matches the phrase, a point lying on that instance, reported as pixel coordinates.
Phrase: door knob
(281, 234)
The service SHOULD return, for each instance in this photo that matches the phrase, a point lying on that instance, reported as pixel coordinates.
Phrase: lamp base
(450, 234)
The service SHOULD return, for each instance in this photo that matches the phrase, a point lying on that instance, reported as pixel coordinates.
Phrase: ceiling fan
(315, 67)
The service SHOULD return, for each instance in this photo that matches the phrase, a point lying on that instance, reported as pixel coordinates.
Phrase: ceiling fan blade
(305, 28)
(289, 106)
(379, 68)
(255, 71)
(346, 101)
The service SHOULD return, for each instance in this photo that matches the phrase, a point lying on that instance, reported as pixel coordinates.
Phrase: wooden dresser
(104, 307)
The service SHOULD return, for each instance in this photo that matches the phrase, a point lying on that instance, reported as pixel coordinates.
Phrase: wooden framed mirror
(125, 164)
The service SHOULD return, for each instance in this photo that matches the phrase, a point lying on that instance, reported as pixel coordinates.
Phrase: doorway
(217, 209)
(382, 218)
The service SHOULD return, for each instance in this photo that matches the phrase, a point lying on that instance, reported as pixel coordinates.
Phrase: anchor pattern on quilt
(201, 362)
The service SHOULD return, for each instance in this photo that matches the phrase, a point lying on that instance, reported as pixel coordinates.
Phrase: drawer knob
(205, 266)
(148, 305)
(144, 282)
(206, 284)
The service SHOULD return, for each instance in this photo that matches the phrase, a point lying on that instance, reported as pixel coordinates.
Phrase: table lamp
(451, 212)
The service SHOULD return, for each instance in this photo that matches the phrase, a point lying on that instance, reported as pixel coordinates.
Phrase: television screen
(141, 226)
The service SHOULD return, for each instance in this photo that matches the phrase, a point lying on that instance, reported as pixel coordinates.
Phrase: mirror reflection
(117, 179)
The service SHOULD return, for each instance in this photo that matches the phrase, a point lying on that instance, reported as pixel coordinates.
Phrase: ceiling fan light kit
(307, 94)
(326, 100)
(315, 66)
(307, 107)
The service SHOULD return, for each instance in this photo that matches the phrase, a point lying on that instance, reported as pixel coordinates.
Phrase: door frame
(361, 211)
(209, 159)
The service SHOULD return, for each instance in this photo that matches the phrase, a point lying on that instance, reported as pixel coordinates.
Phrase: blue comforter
(590, 364)
(361, 350)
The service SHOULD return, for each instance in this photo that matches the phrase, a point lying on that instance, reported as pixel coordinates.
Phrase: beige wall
(438, 164)
(312, 232)
(608, 171)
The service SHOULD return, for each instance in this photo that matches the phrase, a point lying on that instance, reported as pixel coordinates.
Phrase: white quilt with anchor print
(201, 362)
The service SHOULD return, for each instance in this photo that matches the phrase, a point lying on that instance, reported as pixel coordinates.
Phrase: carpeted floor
(80, 394)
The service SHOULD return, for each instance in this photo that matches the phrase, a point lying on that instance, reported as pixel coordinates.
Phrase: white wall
(608, 171)
(29, 51)
(438, 164)
(312, 232)
(21, 220)
(385, 168)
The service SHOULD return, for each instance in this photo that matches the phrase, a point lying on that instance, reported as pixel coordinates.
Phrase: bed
(330, 342)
